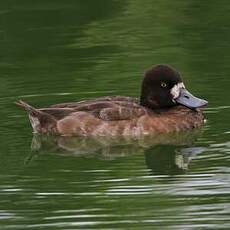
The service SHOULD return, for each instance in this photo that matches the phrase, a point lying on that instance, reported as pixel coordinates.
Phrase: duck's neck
(149, 102)
(154, 104)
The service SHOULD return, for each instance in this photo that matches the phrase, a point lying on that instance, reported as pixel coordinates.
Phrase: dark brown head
(162, 87)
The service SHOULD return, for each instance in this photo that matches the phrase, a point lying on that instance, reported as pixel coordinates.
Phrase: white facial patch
(175, 91)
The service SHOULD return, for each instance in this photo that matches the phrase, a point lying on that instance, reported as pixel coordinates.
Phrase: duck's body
(115, 115)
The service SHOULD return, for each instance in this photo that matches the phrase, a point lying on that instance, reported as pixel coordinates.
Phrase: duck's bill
(190, 101)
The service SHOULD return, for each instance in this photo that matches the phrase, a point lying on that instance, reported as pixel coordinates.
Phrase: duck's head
(163, 87)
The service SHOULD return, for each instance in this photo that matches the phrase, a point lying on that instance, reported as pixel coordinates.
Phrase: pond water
(58, 51)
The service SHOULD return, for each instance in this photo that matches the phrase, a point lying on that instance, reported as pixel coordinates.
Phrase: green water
(58, 51)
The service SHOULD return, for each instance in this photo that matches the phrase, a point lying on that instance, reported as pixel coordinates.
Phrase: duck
(164, 106)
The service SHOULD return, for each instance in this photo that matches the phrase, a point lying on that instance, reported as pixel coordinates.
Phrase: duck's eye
(163, 84)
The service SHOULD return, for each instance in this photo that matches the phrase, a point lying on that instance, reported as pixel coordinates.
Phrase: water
(60, 51)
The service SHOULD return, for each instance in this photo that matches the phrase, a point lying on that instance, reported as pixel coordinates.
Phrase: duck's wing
(120, 113)
(100, 111)
(105, 108)
(103, 101)
(57, 113)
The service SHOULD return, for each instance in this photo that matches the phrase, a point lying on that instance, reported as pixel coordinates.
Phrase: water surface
(59, 51)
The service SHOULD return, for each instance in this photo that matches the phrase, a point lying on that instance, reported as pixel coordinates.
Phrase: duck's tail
(29, 109)
(41, 122)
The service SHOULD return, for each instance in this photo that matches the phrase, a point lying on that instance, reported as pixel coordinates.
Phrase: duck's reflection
(170, 159)
(164, 154)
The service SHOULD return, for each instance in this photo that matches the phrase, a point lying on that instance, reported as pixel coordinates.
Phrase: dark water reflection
(163, 153)
(57, 51)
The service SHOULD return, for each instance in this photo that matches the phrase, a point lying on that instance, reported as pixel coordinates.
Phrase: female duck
(164, 106)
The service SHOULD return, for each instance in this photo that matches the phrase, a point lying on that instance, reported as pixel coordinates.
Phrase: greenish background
(57, 51)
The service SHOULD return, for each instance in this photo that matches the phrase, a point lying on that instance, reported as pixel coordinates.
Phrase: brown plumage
(157, 112)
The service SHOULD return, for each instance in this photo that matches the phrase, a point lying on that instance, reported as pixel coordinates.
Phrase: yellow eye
(163, 84)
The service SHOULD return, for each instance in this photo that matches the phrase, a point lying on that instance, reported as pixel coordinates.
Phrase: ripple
(4, 215)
